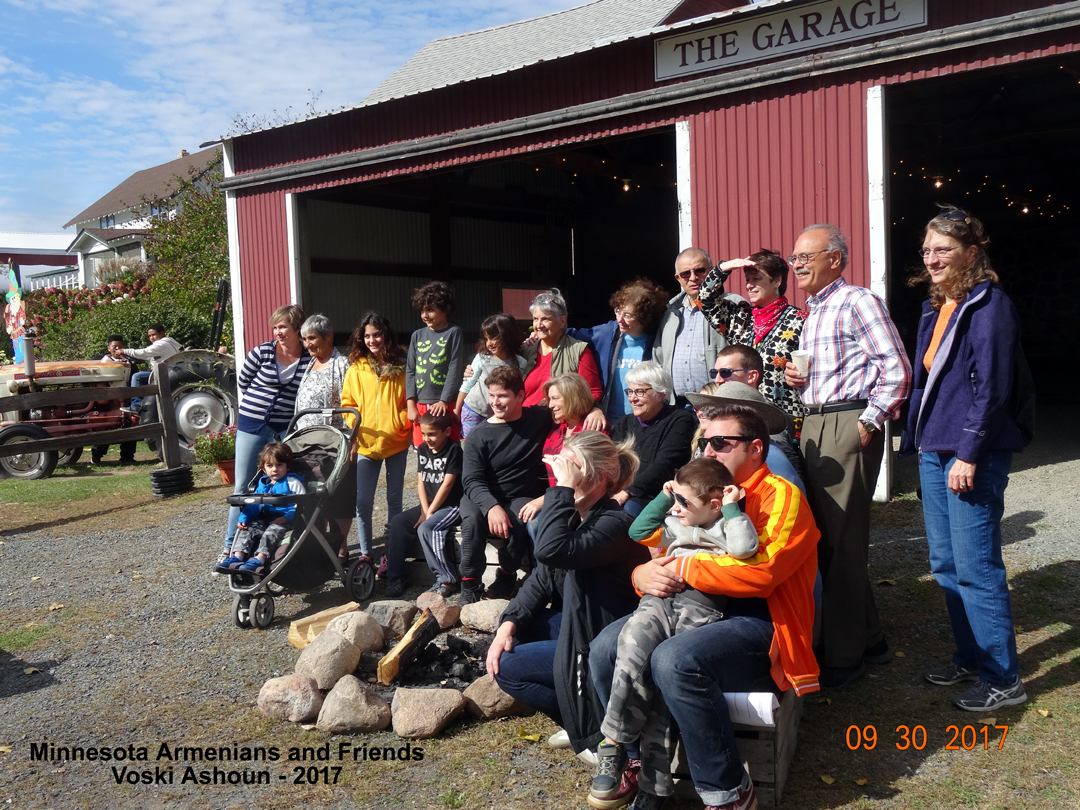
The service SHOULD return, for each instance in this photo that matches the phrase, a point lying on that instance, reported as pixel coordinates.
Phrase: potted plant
(220, 449)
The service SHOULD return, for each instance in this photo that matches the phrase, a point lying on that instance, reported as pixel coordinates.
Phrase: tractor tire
(29, 466)
(204, 398)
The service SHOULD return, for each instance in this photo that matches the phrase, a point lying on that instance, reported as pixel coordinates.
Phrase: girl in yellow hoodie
(375, 386)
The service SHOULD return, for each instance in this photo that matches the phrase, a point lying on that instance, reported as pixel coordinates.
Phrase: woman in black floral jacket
(768, 323)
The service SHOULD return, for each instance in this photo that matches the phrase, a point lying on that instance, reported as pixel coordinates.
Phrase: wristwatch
(869, 427)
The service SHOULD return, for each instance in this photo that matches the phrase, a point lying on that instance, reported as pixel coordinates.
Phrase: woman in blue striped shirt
(268, 382)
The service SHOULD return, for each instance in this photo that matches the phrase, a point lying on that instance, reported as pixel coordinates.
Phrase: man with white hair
(859, 377)
(661, 431)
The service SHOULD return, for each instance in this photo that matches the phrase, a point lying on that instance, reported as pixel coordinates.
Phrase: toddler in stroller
(265, 524)
(307, 553)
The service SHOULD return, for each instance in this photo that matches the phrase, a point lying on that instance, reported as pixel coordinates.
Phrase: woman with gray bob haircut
(652, 374)
(662, 434)
(320, 387)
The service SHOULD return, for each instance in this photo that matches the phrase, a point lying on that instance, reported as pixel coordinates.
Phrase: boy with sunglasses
(703, 500)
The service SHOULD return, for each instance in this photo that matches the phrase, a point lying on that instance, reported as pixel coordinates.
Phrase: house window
(156, 208)
(107, 222)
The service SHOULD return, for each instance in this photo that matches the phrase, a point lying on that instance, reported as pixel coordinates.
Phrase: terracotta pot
(227, 469)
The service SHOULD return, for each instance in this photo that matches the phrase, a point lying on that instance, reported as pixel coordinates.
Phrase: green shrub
(83, 337)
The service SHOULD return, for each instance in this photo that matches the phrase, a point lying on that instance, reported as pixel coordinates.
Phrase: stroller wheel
(360, 579)
(241, 609)
(262, 611)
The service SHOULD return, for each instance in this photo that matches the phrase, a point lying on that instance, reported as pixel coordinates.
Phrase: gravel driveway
(138, 651)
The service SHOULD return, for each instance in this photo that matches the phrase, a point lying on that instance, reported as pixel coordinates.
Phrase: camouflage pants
(635, 711)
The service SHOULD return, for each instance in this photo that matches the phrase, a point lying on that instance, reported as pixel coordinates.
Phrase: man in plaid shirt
(859, 377)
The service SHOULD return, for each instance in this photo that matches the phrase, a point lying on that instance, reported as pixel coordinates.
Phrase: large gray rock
(422, 713)
(360, 629)
(396, 615)
(353, 708)
(484, 699)
(295, 698)
(328, 658)
(446, 614)
(484, 616)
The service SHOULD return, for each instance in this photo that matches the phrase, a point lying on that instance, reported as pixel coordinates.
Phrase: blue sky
(92, 91)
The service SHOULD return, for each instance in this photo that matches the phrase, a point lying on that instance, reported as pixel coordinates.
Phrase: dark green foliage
(83, 337)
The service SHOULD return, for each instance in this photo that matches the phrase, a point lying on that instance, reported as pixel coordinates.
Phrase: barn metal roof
(462, 57)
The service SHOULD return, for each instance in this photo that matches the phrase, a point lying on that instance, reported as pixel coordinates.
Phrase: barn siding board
(765, 162)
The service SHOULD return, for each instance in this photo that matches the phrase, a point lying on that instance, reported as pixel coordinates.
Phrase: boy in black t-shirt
(438, 483)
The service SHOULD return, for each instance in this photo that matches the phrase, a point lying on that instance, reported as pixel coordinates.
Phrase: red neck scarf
(765, 318)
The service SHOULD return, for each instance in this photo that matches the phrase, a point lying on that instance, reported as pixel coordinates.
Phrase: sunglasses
(725, 373)
(680, 500)
(718, 443)
(697, 272)
(955, 216)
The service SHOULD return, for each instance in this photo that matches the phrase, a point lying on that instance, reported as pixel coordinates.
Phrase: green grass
(23, 637)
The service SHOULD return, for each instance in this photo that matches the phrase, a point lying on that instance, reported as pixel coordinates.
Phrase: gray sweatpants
(264, 532)
(634, 711)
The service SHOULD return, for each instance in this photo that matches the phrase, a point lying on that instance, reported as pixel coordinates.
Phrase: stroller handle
(271, 500)
(328, 412)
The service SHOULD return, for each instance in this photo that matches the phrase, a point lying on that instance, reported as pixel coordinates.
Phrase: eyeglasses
(680, 500)
(725, 373)
(625, 314)
(939, 252)
(720, 443)
(636, 392)
(804, 258)
(696, 273)
(955, 216)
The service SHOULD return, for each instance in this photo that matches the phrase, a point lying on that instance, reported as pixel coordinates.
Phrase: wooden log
(424, 629)
(303, 631)
(130, 434)
(72, 396)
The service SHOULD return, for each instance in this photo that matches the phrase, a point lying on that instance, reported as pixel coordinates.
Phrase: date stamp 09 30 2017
(960, 737)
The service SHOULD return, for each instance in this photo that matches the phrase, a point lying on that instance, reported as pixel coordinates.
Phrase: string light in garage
(1025, 202)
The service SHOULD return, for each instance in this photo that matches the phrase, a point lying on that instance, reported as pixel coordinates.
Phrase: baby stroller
(307, 557)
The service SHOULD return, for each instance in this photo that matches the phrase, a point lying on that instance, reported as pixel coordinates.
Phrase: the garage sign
(806, 27)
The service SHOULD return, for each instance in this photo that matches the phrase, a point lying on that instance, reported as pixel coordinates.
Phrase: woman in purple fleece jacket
(961, 422)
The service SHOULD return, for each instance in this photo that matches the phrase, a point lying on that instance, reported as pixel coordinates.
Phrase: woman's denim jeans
(693, 670)
(248, 447)
(964, 533)
(367, 481)
(527, 673)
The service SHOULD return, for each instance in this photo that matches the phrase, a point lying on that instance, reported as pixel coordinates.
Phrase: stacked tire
(172, 482)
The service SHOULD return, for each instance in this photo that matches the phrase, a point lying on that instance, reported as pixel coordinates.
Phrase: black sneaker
(947, 676)
(503, 586)
(472, 591)
(839, 677)
(646, 801)
(395, 587)
(611, 761)
(985, 697)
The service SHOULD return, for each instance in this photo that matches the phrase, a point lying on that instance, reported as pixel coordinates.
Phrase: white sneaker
(588, 757)
(560, 739)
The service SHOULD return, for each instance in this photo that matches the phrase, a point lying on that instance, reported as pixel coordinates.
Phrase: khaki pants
(840, 481)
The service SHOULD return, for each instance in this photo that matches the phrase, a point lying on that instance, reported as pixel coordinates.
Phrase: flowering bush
(53, 306)
(210, 448)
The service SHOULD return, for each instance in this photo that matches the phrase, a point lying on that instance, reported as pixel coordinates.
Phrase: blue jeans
(248, 447)
(139, 378)
(964, 533)
(693, 670)
(528, 671)
(367, 481)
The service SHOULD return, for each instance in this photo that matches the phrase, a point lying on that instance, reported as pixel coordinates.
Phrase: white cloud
(116, 87)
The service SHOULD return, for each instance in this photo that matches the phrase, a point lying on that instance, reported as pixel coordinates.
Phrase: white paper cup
(801, 359)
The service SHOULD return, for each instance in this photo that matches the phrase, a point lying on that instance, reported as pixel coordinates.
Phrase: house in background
(115, 225)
